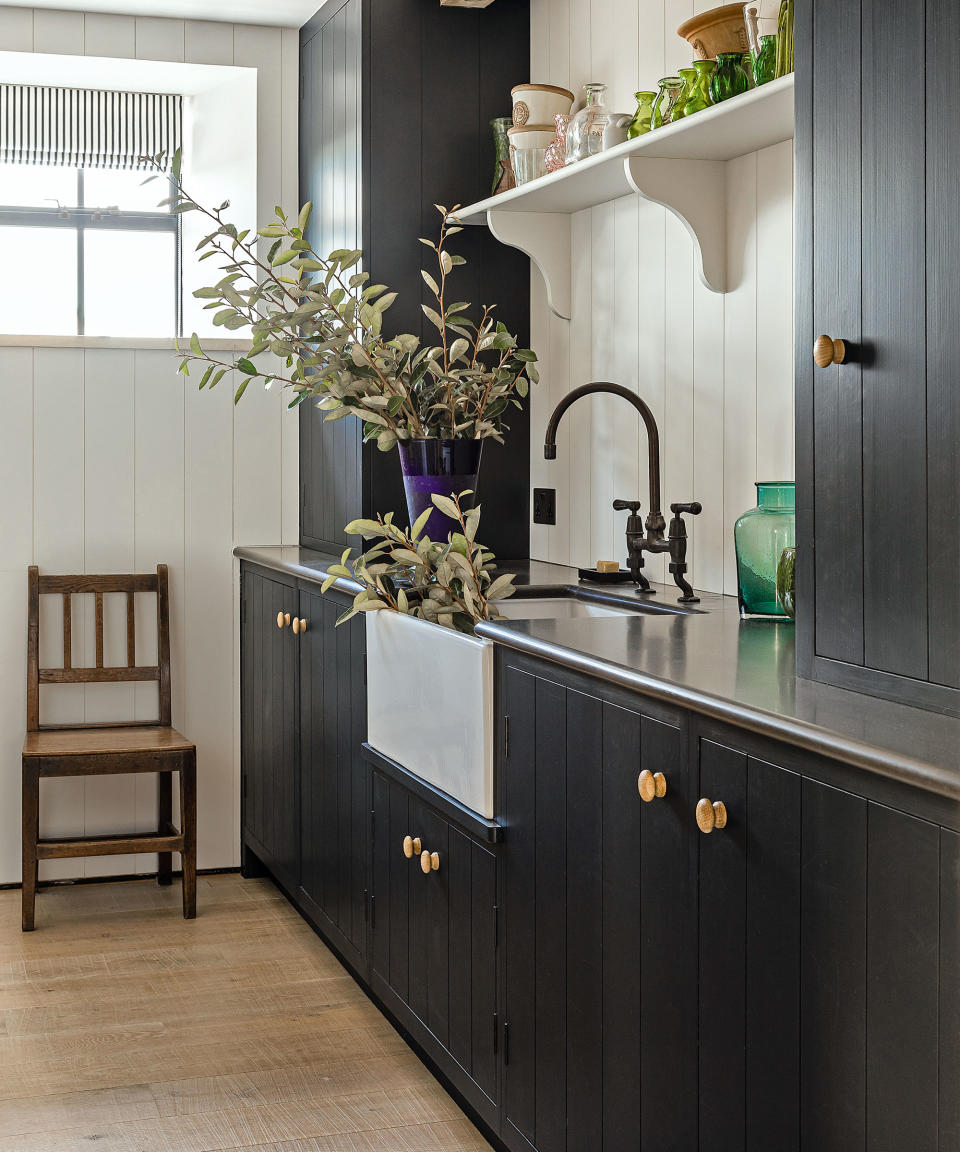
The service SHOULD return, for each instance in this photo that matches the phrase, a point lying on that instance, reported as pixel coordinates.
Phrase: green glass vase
(765, 61)
(689, 78)
(670, 89)
(760, 536)
(699, 97)
(642, 118)
(787, 581)
(785, 39)
(730, 78)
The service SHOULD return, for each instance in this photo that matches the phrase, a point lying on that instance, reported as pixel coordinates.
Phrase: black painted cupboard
(878, 247)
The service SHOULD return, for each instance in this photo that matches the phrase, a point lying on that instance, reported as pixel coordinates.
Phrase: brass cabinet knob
(299, 626)
(283, 619)
(827, 351)
(429, 862)
(651, 786)
(711, 814)
(411, 846)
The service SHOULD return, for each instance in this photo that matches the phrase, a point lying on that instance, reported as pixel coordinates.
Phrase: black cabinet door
(878, 247)
(600, 906)
(269, 725)
(435, 938)
(334, 779)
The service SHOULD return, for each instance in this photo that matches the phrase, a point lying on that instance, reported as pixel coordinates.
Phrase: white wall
(716, 370)
(110, 461)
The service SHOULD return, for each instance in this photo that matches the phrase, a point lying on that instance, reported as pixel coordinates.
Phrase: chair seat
(128, 741)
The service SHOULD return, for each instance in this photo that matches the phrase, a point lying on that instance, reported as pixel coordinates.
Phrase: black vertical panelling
(903, 891)
(838, 507)
(325, 764)
(894, 320)
(584, 929)
(436, 927)
(421, 930)
(399, 873)
(773, 959)
(287, 796)
(460, 956)
(549, 924)
(943, 323)
(949, 990)
(833, 918)
(360, 778)
(483, 986)
(264, 712)
(520, 878)
(343, 768)
(380, 880)
(722, 995)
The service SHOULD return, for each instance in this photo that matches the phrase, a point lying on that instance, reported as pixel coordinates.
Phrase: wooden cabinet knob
(711, 814)
(651, 785)
(827, 351)
(429, 862)
(411, 846)
(299, 626)
(283, 619)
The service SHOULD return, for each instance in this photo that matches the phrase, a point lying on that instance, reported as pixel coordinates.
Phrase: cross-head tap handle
(631, 506)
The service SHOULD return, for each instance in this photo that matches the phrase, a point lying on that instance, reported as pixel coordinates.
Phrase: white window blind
(86, 128)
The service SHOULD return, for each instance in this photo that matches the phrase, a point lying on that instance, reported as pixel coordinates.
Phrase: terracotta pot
(720, 30)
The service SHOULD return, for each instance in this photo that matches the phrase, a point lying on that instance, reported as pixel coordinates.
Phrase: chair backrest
(67, 586)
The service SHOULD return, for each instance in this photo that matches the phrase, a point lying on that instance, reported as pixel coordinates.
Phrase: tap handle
(631, 506)
(694, 508)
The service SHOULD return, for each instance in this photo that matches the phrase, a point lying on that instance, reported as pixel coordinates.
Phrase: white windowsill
(211, 344)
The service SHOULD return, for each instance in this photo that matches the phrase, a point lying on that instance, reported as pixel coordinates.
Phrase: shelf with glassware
(681, 166)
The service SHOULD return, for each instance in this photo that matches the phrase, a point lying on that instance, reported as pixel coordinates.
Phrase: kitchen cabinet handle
(651, 785)
(429, 862)
(711, 814)
(283, 619)
(827, 351)
(411, 846)
(299, 626)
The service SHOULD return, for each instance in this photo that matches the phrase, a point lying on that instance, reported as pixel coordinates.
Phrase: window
(84, 248)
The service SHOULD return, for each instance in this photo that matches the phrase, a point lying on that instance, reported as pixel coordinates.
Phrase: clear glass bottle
(670, 90)
(640, 124)
(585, 130)
(699, 95)
(760, 536)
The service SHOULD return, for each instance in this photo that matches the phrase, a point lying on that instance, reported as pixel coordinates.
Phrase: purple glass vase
(442, 468)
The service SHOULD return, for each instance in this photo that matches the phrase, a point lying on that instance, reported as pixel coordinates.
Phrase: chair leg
(164, 820)
(188, 824)
(31, 834)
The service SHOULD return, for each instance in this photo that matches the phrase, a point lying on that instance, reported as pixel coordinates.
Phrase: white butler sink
(430, 695)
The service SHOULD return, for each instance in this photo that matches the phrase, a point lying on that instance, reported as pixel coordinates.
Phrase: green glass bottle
(689, 78)
(730, 79)
(785, 39)
(640, 124)
(765, 61)
(760, 536)
(699, 97)
(670, 89)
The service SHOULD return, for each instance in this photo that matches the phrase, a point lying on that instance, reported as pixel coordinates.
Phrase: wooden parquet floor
(125, 1028)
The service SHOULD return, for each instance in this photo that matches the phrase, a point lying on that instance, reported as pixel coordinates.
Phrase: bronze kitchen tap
(645, 536)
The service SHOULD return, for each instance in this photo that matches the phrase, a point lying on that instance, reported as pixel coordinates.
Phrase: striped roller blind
(85, 128)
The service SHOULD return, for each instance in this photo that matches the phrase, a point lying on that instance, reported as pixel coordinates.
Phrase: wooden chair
(104, 749)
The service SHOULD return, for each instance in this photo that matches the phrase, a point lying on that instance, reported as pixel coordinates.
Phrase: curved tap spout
(655, 521)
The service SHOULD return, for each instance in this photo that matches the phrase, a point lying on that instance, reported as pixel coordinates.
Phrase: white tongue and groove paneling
(716, 370)
(111, 461)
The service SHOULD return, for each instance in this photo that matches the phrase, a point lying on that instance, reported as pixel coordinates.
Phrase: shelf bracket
(695, 191)
(545, 238)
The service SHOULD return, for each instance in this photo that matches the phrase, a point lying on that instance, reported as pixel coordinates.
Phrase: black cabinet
(600, 921)
(396, 100)
(878, 245)
(434, 947)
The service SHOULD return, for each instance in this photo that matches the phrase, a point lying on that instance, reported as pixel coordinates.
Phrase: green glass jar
(765, 61)
(730, 78)
(787, 581)
(699, 97)
(785, 38)
(670, 89)
(640, 124)
(760, 537)
(689, 78)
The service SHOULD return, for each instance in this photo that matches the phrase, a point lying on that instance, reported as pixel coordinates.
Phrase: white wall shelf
(681, 166)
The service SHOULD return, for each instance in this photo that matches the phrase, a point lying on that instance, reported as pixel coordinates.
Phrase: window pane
(38, 289)
(129, 283)
(37, 185)
(106, 187)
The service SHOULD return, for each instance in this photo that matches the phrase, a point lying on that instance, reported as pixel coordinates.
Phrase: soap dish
(620, 577)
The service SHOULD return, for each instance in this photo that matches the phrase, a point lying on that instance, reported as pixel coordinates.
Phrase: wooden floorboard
(126, 1028)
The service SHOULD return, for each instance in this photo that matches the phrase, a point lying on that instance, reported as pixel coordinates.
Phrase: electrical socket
(544, 505)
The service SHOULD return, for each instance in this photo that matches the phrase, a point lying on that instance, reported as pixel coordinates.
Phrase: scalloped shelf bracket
(545, 238)
(695, 191)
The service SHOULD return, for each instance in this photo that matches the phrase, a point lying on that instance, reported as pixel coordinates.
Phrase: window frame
(82, 218)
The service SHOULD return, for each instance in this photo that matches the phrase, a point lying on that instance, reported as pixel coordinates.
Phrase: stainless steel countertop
(714, 663)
